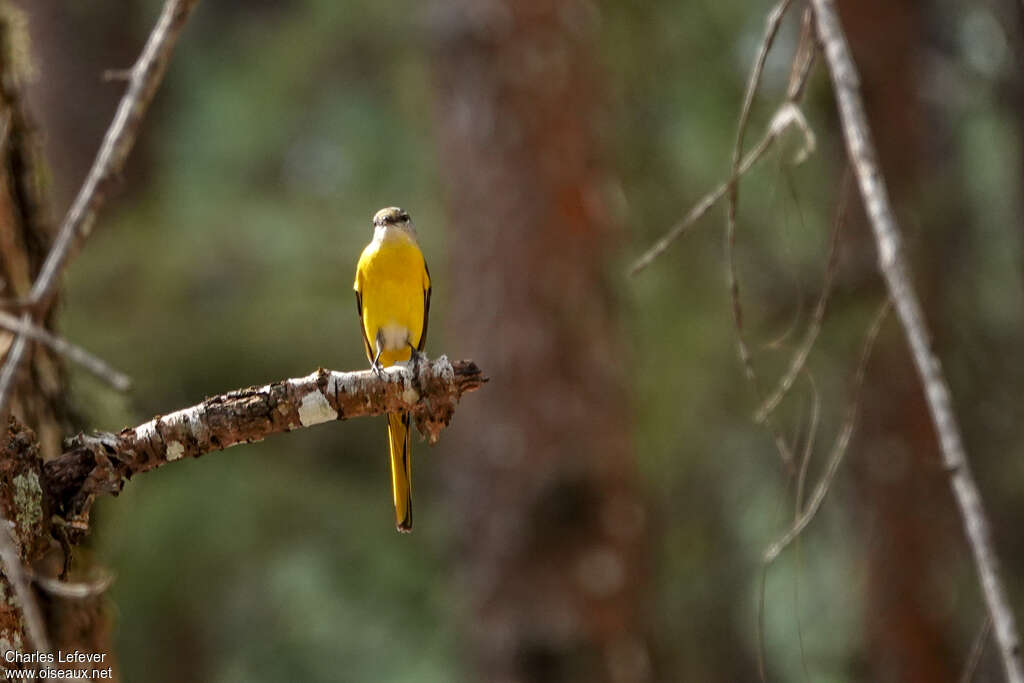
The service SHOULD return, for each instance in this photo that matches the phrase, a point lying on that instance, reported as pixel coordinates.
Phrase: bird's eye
(403, 216)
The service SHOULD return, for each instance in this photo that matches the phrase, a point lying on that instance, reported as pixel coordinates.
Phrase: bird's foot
(416, 357)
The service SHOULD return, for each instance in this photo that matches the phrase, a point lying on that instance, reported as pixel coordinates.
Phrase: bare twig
(772, 24)
(784, 118)
(101, 463)
(838, 448)
(762, 668)
(75, 590)
(801, 481)
(803, 60)
(15, 573)
(811, 334)
(977, 649)
(146, 75)
(893, 265)
(808, 449)
(800, 70)
(74, 353)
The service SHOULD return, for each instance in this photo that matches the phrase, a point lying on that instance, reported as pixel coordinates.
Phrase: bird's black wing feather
(426, 311)
(362, 328)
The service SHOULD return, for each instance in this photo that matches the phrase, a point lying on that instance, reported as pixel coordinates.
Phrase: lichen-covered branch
(101, 463)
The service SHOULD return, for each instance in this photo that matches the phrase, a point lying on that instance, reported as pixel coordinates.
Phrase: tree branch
(893, 265)
(146, 76)
(101, 463)
(76, 354)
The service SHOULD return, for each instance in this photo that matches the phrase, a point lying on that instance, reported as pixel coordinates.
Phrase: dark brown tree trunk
(553, 546)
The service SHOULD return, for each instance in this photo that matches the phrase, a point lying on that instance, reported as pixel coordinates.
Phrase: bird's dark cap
(390, 216)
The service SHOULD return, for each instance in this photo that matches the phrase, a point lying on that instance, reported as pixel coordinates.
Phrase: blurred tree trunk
(73, 44)
(553, 549)
(25, 237)
(39, 406)
(907, 510)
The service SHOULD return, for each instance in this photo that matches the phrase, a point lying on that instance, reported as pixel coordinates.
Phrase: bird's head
(393, 223)
(390, 216)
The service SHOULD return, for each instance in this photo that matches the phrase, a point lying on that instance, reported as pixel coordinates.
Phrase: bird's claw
(415, 358)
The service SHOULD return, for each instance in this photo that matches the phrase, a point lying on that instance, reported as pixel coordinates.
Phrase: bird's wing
(362, 327)
(426, 310)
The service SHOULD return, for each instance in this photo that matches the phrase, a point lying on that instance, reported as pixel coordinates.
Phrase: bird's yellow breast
(392, 280)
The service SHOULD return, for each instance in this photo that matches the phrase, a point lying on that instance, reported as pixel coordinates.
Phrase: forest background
(540, 151)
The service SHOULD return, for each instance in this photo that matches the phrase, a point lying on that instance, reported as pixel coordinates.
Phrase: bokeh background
(598, 511)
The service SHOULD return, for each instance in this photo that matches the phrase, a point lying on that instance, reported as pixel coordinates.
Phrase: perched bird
(393, 299)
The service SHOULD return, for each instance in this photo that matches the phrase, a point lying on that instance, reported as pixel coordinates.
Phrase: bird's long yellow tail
(401, 469)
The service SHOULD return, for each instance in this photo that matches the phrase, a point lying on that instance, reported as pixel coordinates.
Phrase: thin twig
(785, 117)
(146, 76)
(803, 60)
(14, 571)
(772, 24)
(807, 450)
(977, 649)
(805, 460)
(861, 149)
(801, 481)
(72, 352)
(762, 668)
(147, 73)
(75, 590)
(705, 203)
(839, 447)
(800, 71)
(814, 328)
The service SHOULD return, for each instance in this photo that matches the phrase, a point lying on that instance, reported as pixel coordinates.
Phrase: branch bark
(101, 463)
(893, 265)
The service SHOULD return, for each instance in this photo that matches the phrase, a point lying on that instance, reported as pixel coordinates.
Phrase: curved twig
(840, 445)
(772, 24)
(811, 334)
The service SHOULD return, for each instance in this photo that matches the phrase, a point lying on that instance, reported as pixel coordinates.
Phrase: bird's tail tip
(401, 470)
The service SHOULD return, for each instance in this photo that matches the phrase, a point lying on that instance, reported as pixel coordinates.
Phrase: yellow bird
(393, 299)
